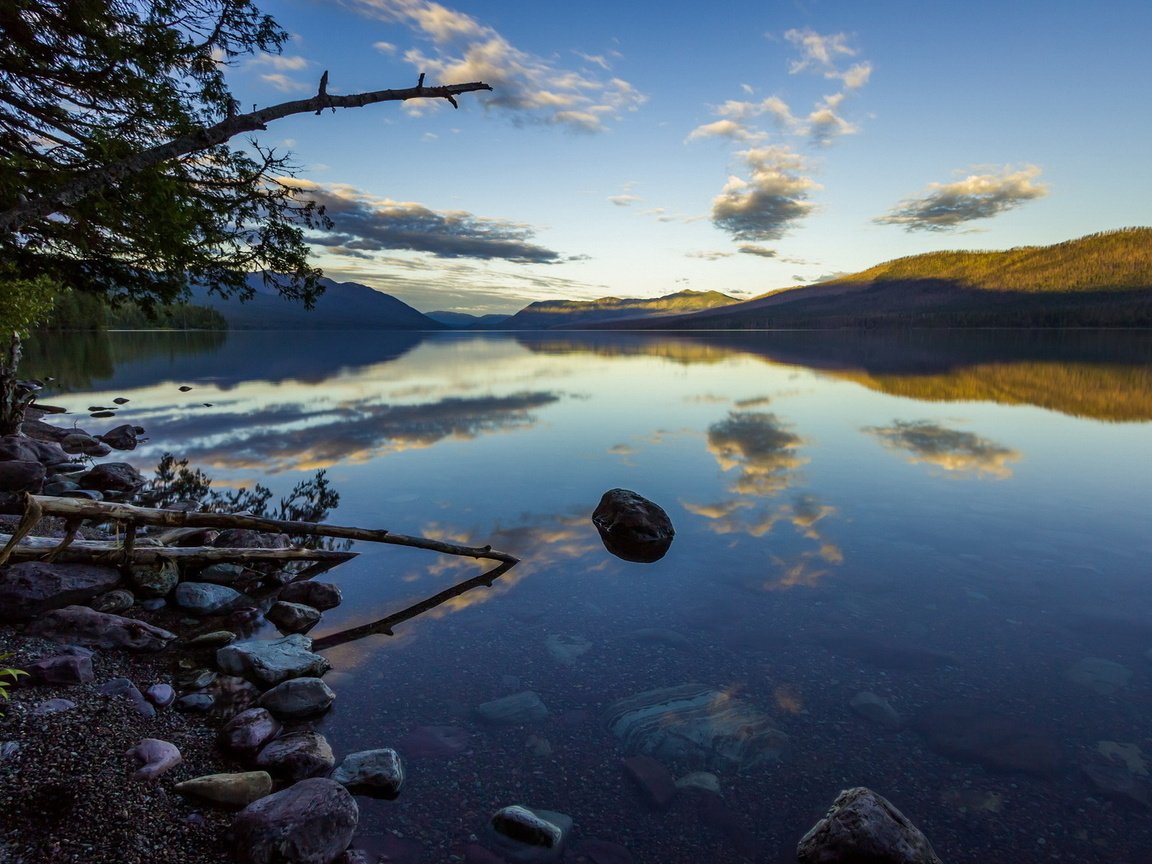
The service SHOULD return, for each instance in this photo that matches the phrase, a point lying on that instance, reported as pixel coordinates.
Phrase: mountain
(342, 306)
(464, 321)
(551, 314)
(1102, 280)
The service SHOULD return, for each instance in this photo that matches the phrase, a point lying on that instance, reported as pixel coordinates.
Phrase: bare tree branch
(209, 136)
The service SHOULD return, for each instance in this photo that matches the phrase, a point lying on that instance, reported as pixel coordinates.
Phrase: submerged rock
(526, 835)
(632, 527)
(863, 826)
(565, 647)
(876, 709)
(696, 726)
(523, 707)
(1102, 676)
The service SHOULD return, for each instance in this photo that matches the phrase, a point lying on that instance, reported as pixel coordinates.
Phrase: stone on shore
(124, 688)
(293, 617)
(864, 826)
(318, 595)
(632, 527)
(523, 707)
(83, 626)
(298, 698)
(376, 772)
(122, 437)
(267, 663)
(61, 669)
(222, 574)
(229, 790)
(297, 756)
(113, 478)
(20, 475)
(248, 731)
(204, 598)
(156, 757)
(31, 587)
(114, 602)
(311, 822)
(154, 580)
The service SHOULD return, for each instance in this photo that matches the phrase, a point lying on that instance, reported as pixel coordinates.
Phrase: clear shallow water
(951, 521)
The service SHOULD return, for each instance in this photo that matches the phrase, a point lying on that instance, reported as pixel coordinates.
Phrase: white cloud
(725, 129)
(977, 196)
(285, 84)
(624, 200)
(531, 88)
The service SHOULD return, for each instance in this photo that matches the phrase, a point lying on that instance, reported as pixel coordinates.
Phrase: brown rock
(632, 527)
(860, 827)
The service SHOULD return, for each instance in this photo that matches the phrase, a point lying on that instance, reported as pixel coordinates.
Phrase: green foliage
(89, 86)
(24, 302)
(310, 500)
(5, 672)
(170, 316)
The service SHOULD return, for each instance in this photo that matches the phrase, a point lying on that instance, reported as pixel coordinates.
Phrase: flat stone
(863, 826)
(84, 626)
(30, 588)
(248, 731)
(311, 822)
(267, 663)
(523, 707)
(376, 772)
(298, 698)
(297, 756)
(61, 669)
(53, 706)
(230, 790)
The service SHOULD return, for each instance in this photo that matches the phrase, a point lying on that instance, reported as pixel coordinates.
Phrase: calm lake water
(956, 523)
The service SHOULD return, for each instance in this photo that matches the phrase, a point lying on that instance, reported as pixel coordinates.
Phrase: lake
(955, 523)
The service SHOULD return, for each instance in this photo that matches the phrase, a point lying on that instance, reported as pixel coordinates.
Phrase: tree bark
(209, 136)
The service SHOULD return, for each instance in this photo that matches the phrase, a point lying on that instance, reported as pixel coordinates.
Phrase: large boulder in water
(693, 725)
(632, 527)
(863, 826)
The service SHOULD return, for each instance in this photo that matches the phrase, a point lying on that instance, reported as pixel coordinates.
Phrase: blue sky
(637, 149)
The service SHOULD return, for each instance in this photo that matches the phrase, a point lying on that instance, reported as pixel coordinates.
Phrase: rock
(112, 477)
(523, 707)
(231, 790)
(196, 703)
(297, 756)
(376, 772)
(31, 587)
(318, 595)
(632, 527)
(161, 695)
(9, 750)
(53, 706)
(115, 602)
(311, 822)
(652, 778)
(123, 437)
(699, 781)
(124, 688)
(154, 581)
(267, 663)
(209, 641)
(999, 742)
(1102, 676)
(1120, 772)
(694, 725)
(523, 834)
(293, 617)
(204, 598)
(84, 626)
(222, 574)
(876, 709)
(245, 538)
(61, 669)
(566, 648)
(195, 679)
(79, 442)
(19, 475)
(298, 698)
(248, 731)
(156, 757)
(86, 494)
(19, 448)
(434, 742)
(863, 826)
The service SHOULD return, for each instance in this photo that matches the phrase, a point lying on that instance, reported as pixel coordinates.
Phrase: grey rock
(84, 626)
(267, 663)
(876, 709)
(115, 602)
(297, 756)
(523, 707)
(195, 679)
(213, 640)
(8, 750)
(30, 588)
(526, 835)
(632, 527)
(377, 772)
(156, 757)
(237, 789)
(154, 581)
(123, 437)
(311, 822)
(699, 781)
(864, 826)
(293, 617)
(204, 598)
(61, 669)
(53, 706)
(318, 595)
(196, 703)
(222, 574)
(124, 688)
(245, 538)
(248, 731)
(161, 695)
(566, 647)
(696, 726)
(86, 494)
(298, 698)
(113, 477)
(24, 449)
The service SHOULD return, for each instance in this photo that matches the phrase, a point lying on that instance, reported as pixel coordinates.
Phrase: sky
(638, 149)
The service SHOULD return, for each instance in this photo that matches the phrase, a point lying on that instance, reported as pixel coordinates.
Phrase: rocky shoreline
(152, 729)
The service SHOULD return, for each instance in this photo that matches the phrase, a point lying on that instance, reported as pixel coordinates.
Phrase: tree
(116, 172)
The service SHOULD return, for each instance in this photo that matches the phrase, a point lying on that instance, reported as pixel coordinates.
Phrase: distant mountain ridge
(1102, 280)
(342, 306)
(552, 314)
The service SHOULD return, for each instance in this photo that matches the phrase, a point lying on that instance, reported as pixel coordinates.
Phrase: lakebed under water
(957, 523)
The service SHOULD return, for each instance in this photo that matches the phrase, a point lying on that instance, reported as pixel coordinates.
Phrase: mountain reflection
(954, 450)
